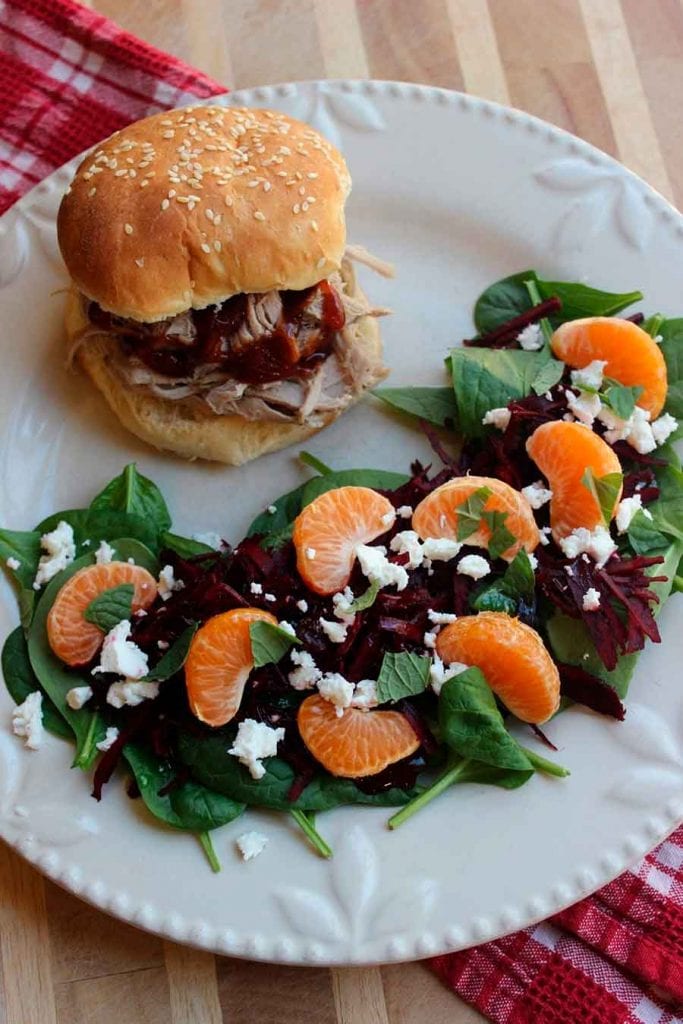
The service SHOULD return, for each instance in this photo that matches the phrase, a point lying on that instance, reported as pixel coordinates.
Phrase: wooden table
(610, 72)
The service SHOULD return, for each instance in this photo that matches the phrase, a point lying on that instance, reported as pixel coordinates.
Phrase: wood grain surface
(610, 71)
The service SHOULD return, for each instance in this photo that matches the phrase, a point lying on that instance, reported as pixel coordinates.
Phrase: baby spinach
(174, 659)
(269, 643)
(504, 594)
(605, 489)
(378, 479)
(402, 675)
(502, 301)
(435, 405)
(667, 510)
(547, 377)
(110, 607)
(20, 680)
(277, 523)
(486, 378)
(94, 525)
(24, 546)
(133, 493)
(127, 547)
(671, 332)
(186, 547)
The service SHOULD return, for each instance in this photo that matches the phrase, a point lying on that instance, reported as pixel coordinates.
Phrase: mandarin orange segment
(563, 452)
(74, 640)
(357, 744)
(437, 514)
(327, 531)
(512, 657)
(633, 357)
(219, 662)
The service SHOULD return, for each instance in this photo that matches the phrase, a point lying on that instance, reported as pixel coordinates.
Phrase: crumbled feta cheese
(250, 844)
(104, 554)
(254, 741)
(440, 549)
(163, 645)
(636, 429)
(27, 720)
(120, 655)
(86, 543)
(302, 605)
(405, 511)
(440, 618)
(271, 510)
(342, 605)
(589, 376)
(334, 631)
(78, 696)
(617, 429)
(598, 544)
(584, 407)
(474, 566)
(663, 427)
(269, 597)
(13, 563)
(408, 543)
(627, 509)
(544, 534)
(440, 673)
(531, 338)
(533, 561)
(658, 339)
(591, 600)
(429, 640)
(365, 694)
(337, 690)
(536, 494)
(211, 539)
(388, 518)
(306, 674)
(287, 627)
(60, 551)
(375, 565)
(110, 738)
(569, 571)
(130, 693)
(311, 553)
(168, 583)
(256, 588)
(499, 418)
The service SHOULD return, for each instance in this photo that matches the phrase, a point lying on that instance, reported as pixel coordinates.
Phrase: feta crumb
(408, 543)
(591, 600)
(365, 694)
(544, 534)
(429, 639)
(537, 494)
(388, 518)
(474, 566)
(405, 511)
(440, 673)
(256, 588)
(375, 565)
(168, 583)
(78, 696)
(130, 693)
(163, 645)
(104, 554)
(589, 376)
(337, 690)
(269, 597)
(342, 605)
(663, 427)
(120, 655)
(250, 844)
(598, 544)
(60, 551)
(627, 509)
(499, 418)
(211, 539)
(13, 563)
(302, 605)
(306, 674)
(271, 510)
(334, 631)
(531, 338)
(27, 720)
(311, 553)
(86, 543)
(254, 741)
(533, 561)
(636, 429)
(584, 407)
(658, 339)
(440, 618)
(440, 549)
(287, 627)
(110, 738)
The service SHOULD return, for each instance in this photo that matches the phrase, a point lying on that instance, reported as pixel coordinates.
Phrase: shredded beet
(507, 332)
(542, 737)
(587, 689)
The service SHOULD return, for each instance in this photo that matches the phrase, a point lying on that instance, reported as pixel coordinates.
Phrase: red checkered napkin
(68, 78)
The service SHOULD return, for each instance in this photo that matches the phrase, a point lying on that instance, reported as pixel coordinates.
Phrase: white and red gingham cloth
(68, 78)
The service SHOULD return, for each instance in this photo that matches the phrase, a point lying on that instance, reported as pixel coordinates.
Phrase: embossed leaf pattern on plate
(330, 110)
(657, 771)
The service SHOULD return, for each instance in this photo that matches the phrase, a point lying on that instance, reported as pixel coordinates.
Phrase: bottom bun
(185, 427)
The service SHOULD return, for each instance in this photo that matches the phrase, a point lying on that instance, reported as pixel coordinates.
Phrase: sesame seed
(312, 174)
(228, 200)
(217, 218)
(310, 199)
(296, 208)
(182, 199)
(258, 215)
(217, 246)
(121, 173)
(168, 135)
(144, 182)
(165, 204)
(172, 193)
(206, 247)
(140, 262)
(321, 262)
(302, 190)
(253, 184)
(304, 207)
(128, 228)
(92, 191)
(267, 186)
(314, 225)
(209, 214)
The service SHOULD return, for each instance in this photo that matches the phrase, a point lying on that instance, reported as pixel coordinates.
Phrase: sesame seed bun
(187, 208)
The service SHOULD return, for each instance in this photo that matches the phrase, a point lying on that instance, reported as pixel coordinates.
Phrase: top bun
(186, 208)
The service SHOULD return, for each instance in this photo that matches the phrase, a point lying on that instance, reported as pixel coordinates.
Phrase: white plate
(457, 192)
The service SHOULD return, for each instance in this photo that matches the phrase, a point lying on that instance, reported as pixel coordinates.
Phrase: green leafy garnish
(133, 493)
(501, 538)
(402, 675)
(621, 399)
(174, 658)
(504, 594)
(21, 680)
(111, 607)
(435, 405)
(366, 600)
(470, 513)
(605, 490)
(305, 821)
(269, 643)
(186, 547)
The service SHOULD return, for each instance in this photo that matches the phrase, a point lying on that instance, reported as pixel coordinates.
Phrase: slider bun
(185, 427)
(143, 255)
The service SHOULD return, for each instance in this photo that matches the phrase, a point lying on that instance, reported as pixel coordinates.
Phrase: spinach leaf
(174, 658)
(366, 600)
(502, 301)
(94, 525)
(401, 675)
(473, 727)
(24, 546)
(605, 490)
(486, 378)
(278, 524)
(379, 479)
(492, 775)
(186, 547)
(127, 547)
(20, 680)
(504, 594)
(133, 493)
(501, 538)
(269, 643)
(579, 300)
(671, 332)
(643, 535)
(547, 377)
(493, 599)
(470, 512)
(435, 405)
(110, 607)
(621, 399)
(667, 510)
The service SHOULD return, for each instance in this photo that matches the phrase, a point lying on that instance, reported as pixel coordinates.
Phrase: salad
(374, 636)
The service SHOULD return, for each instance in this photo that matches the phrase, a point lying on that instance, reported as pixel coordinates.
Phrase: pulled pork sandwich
(214, 302)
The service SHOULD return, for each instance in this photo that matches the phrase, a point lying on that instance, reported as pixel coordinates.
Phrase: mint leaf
(402, 675)
(547, 377)
(621, 399)
(605, 490)
(470, 513)
(131, 492)
(366, 600)
(504, 594)
(435, 405)
(501, 538)
(110, 607)
(174, 658)
(269, 643)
